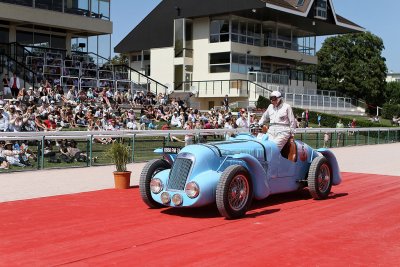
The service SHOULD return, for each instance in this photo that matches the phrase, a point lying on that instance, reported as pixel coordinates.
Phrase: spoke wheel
(234, 192)
(320, 178)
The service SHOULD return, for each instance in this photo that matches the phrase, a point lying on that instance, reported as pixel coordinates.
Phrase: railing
(265, 78)
(28, 76)
(319, 102)
(59, 7)
(143, 143)
(122, 73)
(234, 88)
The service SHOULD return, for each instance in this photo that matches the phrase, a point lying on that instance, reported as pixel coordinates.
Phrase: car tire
(150, 169)
(320, 178)
(234, 192)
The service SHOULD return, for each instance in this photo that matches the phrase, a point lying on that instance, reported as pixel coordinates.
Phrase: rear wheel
(234, 192)
(149, 171)
(320, 178)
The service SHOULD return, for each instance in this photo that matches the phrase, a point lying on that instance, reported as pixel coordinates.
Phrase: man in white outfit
(282, 123)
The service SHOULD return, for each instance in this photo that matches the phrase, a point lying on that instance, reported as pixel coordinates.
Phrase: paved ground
(377, 159)
(358, 225)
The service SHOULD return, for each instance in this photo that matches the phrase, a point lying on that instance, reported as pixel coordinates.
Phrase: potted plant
(119, 154)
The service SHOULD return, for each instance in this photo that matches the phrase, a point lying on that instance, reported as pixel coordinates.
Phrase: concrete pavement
(376, 159)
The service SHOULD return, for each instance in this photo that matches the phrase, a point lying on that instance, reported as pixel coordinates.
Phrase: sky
(381, 18)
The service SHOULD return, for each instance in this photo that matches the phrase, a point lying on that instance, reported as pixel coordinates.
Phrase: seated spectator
(70, 152)
(175, 120)
(113, 125)
(16, 124)
(152, 125)
(3, 121)
(50, 123)
(13, 156)
(131, 124)
(145, 120)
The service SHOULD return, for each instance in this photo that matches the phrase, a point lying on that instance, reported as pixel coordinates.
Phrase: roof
(157, 28)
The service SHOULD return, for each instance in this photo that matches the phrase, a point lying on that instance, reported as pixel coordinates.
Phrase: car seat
(289, 151)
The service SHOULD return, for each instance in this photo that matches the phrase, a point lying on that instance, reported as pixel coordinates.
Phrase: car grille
(179, 174)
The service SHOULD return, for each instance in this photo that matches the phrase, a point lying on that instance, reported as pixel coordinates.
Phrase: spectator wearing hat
(13, 156)
(11, 114)
(228, 125)
(282, 121)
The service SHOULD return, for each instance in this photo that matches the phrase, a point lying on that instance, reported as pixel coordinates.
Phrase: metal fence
(44, 146)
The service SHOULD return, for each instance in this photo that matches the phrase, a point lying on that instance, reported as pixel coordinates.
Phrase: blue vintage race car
(232, 173)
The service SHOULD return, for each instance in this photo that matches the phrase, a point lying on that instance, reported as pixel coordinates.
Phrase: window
(321, 7)
(219, 30)
(220, 62)
(136, 58)
(243, 63)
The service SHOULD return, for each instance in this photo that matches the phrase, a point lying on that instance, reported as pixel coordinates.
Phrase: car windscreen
(251, 147)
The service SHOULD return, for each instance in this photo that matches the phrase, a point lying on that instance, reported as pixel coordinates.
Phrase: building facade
(82, 25)
(393, 77)
(239, 48)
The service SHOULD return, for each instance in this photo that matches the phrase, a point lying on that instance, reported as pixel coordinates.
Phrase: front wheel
(234, 192)
(149, 171)
(320, 178)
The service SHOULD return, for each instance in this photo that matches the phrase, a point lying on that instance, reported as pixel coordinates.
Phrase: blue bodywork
(270, 172)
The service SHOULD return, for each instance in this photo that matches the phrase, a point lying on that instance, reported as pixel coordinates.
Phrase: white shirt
(242, 122)
(281, 116)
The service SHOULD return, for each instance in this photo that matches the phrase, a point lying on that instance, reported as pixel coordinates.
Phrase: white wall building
(243, 48)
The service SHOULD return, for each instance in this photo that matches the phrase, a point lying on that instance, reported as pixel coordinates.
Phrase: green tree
(262, 102)
(120, 59)
(352, 64)
(392, 93)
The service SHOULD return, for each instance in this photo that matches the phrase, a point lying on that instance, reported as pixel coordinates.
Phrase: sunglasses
(274, 98)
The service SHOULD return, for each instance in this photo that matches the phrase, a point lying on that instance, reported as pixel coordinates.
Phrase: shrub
(262, 102)
(119, 154)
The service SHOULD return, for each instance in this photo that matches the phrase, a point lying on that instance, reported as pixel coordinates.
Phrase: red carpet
(359, 225)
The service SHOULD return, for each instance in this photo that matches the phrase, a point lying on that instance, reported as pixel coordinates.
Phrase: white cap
(277, 94)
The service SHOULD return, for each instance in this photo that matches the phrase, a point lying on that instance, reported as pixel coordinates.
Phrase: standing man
(15, 85)
(282, 121)
(226, 103)
(6, 86)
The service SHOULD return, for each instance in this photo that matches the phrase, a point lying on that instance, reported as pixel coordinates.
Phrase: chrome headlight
(177, 200)
(156, 186)
(165, 198)
(192, 190)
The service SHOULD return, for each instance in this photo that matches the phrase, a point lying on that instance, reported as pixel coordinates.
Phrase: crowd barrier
(142, 143)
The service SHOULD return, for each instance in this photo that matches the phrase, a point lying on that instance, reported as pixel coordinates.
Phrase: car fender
(258, 175)
(337, 178)
(169, 157)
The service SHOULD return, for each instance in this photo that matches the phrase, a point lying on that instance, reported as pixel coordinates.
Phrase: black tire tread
(221, 192)
(313, 187)
(145, 178)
